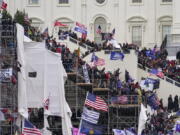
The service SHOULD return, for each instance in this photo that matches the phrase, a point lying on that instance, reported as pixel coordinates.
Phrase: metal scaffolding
(8, 76)
(119, 116)
(76, 89)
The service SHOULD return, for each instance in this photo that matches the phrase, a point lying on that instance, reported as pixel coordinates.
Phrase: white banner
(86, 75)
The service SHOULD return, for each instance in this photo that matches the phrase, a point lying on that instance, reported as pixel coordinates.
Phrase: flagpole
(22, 124)
(81, 116)
(53, 31)
(108, 117)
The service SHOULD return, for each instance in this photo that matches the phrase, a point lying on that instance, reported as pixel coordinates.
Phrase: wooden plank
(100, 89)
(74, 74)
(125, 106)
(71, 73)
(84, 84)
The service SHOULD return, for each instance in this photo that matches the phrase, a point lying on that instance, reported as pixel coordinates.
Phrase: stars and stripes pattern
(98, 31)
(97, 61)
(90, 116)
(96, 102)
(30, 129)
(123, 99)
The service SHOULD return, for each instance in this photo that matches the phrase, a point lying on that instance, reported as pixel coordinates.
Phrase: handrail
(84, 45)
(165, 77)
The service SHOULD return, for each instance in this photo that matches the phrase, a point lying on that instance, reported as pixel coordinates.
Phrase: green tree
(19, 17)
(6, 15)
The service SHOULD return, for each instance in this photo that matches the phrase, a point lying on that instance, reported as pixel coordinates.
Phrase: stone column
(176, 21)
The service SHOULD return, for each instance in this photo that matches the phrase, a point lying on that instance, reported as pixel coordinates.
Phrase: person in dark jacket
(176, 104)
(170, 103)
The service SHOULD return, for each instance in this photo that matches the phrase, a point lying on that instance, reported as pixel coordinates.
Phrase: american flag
(98, 31)
(97, 61)
(123, 99)
(30, 129)
(96, 102)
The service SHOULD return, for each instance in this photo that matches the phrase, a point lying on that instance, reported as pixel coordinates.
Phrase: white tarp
(22, 96)
(2, 118)
(47, 82)
(142, 119)
(27, 39)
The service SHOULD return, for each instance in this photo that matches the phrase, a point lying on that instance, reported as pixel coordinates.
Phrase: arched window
(100, 1)
(100, 21)
(136, 27)
(165, 26)
(178, 56)
(37, 23)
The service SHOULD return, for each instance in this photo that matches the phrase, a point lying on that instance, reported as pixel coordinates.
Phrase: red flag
(3, 5)
(59, 24)
(81, 25)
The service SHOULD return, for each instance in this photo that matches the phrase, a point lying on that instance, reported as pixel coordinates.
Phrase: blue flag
(153, 101)
(150, 54)
(94, 57)
(177, 127)
(78, 29)
(154, 71)
(88, 128)
(117, 56)
(178, 113)
(119, 132)
(130, 131)
(119, 84)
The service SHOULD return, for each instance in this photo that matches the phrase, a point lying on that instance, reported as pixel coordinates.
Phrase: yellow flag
(29, 31)
(78, 52)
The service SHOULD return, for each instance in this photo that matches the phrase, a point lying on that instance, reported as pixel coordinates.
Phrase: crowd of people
(117, 87)
(159, 123)
(173, 106)
(157, 59)
(164, 120)
(105, 45)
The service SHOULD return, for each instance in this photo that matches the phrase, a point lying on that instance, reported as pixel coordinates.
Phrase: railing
(125, 100)
(169, 80)
(80, 43)
(9, 51)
